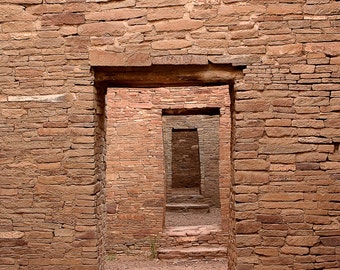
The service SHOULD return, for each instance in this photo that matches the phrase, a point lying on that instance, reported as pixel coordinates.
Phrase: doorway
(138, 101)
(192, 162)
(186, 172)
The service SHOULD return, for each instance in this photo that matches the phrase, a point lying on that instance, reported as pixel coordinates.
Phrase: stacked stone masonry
(283, 193)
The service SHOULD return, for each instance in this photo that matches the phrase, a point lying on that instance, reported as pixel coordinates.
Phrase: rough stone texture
(285, 128)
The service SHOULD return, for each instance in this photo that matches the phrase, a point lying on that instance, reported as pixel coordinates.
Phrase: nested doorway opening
(185, 162)
(192, 157)
(138, 100)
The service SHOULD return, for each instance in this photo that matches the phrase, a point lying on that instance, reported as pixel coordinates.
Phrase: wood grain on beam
(166, 75)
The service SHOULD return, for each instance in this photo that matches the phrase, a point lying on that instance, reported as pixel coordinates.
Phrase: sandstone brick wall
(285, 151)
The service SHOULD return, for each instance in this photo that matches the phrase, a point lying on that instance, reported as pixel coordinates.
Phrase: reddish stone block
(252, 105)
(303, 241)
(247, 227)
(178, 25)
(162, 3)
(284, 9)
(329, 48)
(251, 165)
(289, 49)
(116, 14)
(165, 13)
(63, 19)
(251, 177)
(174, 44)
(102, 58)
(295, 250)
(281, 196)
(102, 28)
(272, 219)
(302, 69)
(180, 60)
(322, 9)
(307, 166)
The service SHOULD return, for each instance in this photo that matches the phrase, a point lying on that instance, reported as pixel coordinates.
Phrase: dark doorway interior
(185, 159)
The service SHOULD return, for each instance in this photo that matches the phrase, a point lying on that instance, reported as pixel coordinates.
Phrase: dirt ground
(193, 218)
(132, 263)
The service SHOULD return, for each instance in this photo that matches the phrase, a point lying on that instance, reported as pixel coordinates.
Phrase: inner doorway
(191, 139)
(186, 172)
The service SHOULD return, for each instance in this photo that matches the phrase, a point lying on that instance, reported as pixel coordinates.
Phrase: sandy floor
(132, 263)
(192, 218)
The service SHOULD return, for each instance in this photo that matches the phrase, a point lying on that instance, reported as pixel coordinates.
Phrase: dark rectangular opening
(185, 159)
(192, 111)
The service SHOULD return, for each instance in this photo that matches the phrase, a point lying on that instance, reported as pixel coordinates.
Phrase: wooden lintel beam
(161, 75)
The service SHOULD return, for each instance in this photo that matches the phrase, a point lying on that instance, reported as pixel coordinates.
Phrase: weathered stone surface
(325, 9)
(64, 19)
(329, 48)
(315, 140)
(102, 29)
(311, 157)
(116, 14)
(171, 44)
(178, 25)
(252, 165)
(165, 13)
(252, 105)
(304, 241)
(235, 60)
(290, 49)
(11, 235)
(248, 227)
(244, 9)
(103, 58)
(180, 60)
(286, 148)
(295, 250)
(246, 133)
(24, 1)
(271, 219)
(330, 241)
(311, 101)
(302, 69)
(162, 3)
(278, 158)
(283, 9)
(281, 197)
(251, 177)
(43, 98)
(248, 240)
(307, 166)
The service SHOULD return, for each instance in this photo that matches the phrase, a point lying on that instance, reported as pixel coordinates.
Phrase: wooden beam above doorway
(166, 75)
